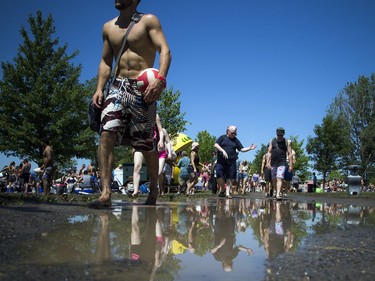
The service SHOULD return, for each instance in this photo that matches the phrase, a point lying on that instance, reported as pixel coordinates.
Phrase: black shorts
(267, 175)
(226, 170)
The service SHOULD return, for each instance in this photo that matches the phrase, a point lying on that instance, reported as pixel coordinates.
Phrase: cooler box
(128, 173)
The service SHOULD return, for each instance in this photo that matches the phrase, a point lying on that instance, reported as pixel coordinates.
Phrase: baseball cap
(280, 131)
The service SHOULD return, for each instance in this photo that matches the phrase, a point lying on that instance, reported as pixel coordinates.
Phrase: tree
(42, 97)
(206, 145)
(355, 104)
(301, 166)
(329, 144)
(169, 110)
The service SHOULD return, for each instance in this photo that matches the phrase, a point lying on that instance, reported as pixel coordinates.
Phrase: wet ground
(195, 238)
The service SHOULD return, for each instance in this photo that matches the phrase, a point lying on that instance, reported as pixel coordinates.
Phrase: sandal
(134, 195)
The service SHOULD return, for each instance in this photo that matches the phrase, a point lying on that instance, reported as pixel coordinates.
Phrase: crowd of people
(23, 178)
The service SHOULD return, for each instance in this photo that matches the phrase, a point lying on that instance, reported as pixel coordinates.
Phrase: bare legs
(152, 162)
(105, 156)
(138, 159)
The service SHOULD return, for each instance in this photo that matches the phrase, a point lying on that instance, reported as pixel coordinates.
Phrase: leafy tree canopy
(42, 97)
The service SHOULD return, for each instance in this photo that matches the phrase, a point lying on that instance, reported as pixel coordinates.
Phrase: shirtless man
(48, 166)
(128, 115)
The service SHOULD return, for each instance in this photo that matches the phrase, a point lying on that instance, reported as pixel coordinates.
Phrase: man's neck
(126, 14)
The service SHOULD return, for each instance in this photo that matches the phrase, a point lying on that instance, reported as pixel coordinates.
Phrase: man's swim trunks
(126, 113)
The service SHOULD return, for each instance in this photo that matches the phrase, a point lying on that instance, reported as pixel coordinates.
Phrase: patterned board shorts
(126, 113)
(278, 172)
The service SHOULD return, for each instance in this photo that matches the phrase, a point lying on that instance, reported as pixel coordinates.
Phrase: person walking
(266, 175)
(48, 165)
(183, 176)
(226, 166)
(193, 169)
(278, 149)
(128, 115)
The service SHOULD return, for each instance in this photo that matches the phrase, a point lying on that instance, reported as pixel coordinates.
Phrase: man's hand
(225, 155)
(97, 99)
(154, 90)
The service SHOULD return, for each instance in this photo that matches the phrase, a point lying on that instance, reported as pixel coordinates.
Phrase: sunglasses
(233, 133)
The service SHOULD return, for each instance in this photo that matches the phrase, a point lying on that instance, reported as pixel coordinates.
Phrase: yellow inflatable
(181, 142)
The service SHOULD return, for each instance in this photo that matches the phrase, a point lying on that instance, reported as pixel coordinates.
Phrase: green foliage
(169, 110)
(42, 97)
(301, 166)
(329, 144)
(206, 145)
(256, 164)
(336, 175)
(356, 105)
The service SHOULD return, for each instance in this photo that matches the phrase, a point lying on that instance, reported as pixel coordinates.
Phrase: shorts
(127, 114)
(163, 154)
(278, 172)
(48, 173)
(267, 175)
(182, 180)
(227, 170)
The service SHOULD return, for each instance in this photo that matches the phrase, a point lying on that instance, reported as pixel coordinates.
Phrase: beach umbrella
(181, 142)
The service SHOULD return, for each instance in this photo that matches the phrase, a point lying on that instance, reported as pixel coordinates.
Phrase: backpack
(274, 143)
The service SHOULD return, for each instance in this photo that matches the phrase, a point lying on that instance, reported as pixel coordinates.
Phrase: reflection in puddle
(201, 240)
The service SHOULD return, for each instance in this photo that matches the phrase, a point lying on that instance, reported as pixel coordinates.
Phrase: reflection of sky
(78, 219)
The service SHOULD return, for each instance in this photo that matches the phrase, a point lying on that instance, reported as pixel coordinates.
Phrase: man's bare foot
(101, 202)
(151, 200)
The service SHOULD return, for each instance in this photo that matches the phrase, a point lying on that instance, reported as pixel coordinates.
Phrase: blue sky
(255, 64)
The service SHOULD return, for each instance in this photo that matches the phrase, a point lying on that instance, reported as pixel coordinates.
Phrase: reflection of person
(128, 116)
(225, 249)
(48, 166)
(146, 245)
(276, 161)
(226, 166)
(275, 229)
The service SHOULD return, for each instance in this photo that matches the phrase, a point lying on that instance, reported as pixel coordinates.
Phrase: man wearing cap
(278, 149)
(226, 167)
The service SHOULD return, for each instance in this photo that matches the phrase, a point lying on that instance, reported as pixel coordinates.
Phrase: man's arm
(158, 39)
(269, 155)
(219, 148)
(104, 70)
(290, 155)
(246, 149)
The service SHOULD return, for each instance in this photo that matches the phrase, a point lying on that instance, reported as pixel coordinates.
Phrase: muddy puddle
(202, 240)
